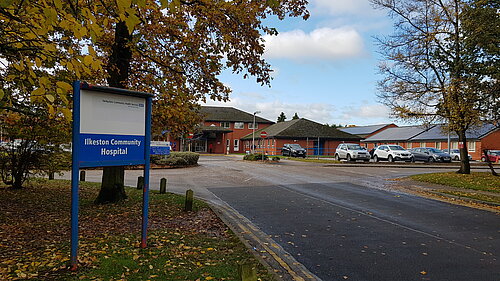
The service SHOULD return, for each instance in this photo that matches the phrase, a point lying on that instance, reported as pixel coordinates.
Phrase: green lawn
(476, 181)
(481, 186)
(34, 238)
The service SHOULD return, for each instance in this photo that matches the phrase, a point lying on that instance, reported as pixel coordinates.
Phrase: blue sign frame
(100, 150)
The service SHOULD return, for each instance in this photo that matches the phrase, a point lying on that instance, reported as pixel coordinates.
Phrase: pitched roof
(397, 134)
(363, 130)
(229, 114)
(437, 133)
(303, 128)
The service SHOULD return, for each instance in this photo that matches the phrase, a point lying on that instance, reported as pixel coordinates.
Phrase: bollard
(82, 175)
(163, 186)
(51, 175)
(247, 272)
(188, 206)
(140, 182)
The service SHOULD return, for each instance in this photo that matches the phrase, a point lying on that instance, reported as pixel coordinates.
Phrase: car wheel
(337, 157)
(390, 159)
(412, 159)
(431, 160)
(457, 158)
(483, 159)
(375, 158)
(349, 158)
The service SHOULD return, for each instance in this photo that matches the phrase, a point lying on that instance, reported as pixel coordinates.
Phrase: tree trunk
(464, 156)
(113, 178)
(112, 186)
(493, 172)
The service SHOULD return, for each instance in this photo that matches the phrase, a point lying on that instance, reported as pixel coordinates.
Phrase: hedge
(176, 159)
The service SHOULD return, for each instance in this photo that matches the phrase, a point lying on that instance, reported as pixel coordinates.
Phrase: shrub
(176, 159)
(275, 158)
(255, 157)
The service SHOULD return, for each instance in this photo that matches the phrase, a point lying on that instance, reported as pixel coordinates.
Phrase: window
(422, 144)
(438, 145)
(471, 146)
(408, 145)
(239, 125)
(236, 145)
(225, 124)
(250, 126)
(454, 145)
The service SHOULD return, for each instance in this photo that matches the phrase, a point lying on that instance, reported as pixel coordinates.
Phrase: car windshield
(395, 147)
(455, 151)
(495, 152)
(435, 150)
(295, 146)
(355, 147)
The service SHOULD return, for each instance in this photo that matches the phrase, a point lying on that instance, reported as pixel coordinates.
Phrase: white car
(351, 151)
(391, 153)
(455, 154)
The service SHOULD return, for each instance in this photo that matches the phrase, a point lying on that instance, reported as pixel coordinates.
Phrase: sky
(325, 68)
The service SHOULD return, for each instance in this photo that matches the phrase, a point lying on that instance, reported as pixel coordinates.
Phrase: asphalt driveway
(346, 223)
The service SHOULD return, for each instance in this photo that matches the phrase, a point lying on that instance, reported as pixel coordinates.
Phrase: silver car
(392, 153)
(455, 154)
(351, 152)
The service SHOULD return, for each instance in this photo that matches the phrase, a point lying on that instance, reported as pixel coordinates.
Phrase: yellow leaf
(209, 278)
(38, 92)
(88, 60)
(65, 86)
(2, 93)
(132, 21)
(50, 98)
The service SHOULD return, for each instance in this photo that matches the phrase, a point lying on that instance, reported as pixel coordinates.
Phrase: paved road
(346, 223)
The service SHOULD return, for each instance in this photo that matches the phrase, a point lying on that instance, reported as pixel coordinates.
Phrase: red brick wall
(219, 145)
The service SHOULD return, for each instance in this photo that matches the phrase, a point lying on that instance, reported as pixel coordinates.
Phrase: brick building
(222, 130)
(318, 139)
(479, 138)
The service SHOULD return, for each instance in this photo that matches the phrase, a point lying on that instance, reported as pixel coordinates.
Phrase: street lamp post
(253, 132)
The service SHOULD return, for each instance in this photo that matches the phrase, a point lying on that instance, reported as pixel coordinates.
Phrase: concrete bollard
(247, 272)
(188, 206)
(140, 182)
(163, 186)
(82, 175)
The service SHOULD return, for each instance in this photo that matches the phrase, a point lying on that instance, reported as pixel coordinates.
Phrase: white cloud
(322, 43)
(372, 111)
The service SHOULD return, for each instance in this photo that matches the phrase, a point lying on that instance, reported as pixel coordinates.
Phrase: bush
(176, 159)
(275, 158)
(255, 157)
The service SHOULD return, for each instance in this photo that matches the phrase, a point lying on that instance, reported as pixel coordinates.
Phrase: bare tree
(426, 73)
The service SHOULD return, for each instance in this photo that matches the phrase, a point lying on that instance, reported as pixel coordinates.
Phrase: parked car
(430, 154)
(293, 150)
(351, 151)
(493, 155)
(455, 154)
(391, 153)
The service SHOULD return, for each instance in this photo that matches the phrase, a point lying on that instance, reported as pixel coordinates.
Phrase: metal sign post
(111, 127)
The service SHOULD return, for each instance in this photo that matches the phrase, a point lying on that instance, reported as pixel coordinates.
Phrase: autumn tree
(426, 73)
(282, 117)
(295, 116)
(35, 137)
(174, 49)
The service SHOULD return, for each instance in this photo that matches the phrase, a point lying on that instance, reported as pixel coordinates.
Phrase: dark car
(430, 154)
(293, 150)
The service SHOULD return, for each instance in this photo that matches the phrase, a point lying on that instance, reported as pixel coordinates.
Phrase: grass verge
(34, 238)
(478, 186)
